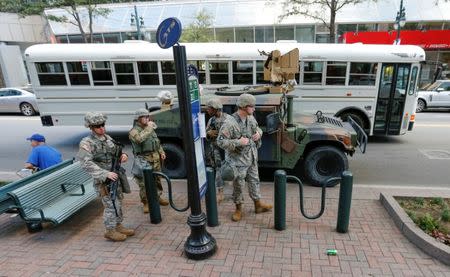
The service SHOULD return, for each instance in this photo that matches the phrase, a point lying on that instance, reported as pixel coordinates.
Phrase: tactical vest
(151, 144)
(103, 152)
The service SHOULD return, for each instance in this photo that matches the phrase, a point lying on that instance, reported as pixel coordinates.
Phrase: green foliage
(427, 223)
(445, 216)
(412, 215)
(419, 201)
(200, 30)
(437, 201)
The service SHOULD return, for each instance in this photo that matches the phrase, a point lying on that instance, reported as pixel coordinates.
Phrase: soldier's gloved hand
(212, 133)
(112, 175)
(256, 137)
(244, 141)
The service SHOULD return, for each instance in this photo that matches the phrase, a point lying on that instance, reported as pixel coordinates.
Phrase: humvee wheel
(173, 166)
(324, 162)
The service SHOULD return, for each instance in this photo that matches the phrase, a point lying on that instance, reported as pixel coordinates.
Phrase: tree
(317, 9)
(199, 30)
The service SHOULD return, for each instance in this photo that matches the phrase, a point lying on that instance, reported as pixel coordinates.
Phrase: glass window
(264, 34)
(101, 73)
(148, 73)
(168, 73)
(224, 35)
(284, 33)
(244, 34)
(322, 38)
(362, 74)
(304, 33)
(201, 67)
(51, 74)
(412, 84)
(367, 27)
(112, 38)
(76, 39)
(62, 39)
(336, 73)
(78, 73)
(312, 73)
(342, 28)
(124, 73)
(218, 72)
(260, 72)
(242, 72)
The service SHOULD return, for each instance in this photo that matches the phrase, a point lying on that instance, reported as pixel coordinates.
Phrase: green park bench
(54, 197)
(7, 202)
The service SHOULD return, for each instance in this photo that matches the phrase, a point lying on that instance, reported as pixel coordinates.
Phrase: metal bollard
(345, 201)
(210, 198)
(152, 195)
(280, 200)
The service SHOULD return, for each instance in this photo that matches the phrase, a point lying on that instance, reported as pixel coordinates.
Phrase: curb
(414, 234)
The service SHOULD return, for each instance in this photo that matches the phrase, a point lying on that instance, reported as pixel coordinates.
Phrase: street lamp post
(138, 21)
(400, 21)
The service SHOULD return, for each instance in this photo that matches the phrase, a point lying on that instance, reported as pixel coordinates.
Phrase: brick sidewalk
(373, 247)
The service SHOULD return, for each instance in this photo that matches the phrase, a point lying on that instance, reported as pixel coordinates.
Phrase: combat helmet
(94, 118)
(214, 103)
(141, 112)
(245, 100)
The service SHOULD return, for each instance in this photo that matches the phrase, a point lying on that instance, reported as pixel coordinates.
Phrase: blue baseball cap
(37, 137)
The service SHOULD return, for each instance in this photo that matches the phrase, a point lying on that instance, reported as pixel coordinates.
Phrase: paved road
(420, 158)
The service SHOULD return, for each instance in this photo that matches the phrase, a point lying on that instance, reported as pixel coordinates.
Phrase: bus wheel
(356, 117)
(173, 166)
(421, 105)
(324, 162)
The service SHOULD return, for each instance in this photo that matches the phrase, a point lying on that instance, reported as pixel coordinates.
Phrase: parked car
(437, 95)
(14, 100)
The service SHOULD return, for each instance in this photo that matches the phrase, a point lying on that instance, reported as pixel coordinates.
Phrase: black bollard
(345, 201)
(210, 199)
(152, 195)
(280, 200)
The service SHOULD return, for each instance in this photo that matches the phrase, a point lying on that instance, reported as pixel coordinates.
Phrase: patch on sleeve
(86, 147)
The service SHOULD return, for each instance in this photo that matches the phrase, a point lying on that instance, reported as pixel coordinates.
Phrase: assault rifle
(116, 168)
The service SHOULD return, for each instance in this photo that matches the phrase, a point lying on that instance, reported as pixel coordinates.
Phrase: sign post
(200, 244)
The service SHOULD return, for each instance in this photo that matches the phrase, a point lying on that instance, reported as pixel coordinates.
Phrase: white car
(436, 95)
(13, 100)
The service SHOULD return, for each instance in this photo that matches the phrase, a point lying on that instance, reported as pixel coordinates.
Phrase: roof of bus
(140, 50)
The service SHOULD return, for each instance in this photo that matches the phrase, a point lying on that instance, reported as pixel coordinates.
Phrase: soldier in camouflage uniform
(240, 137)
(217, 118)
(146, 145)
(95, 154)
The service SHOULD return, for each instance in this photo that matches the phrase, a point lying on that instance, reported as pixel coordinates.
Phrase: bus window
(101, 73)
(219, 72)
(336, 73)
(362, 74)
(168, 73)
(51, 74)
(412, 83)
(201, 67)
(312, 73)
(402, 81)
(124, 73)
(242, 72)
(148, 73)
(260, 72)
(78, 73)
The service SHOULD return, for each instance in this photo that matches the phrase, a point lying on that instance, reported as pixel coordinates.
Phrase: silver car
(437, 95)
(13, 100)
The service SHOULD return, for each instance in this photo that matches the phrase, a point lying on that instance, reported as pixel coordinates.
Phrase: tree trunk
(333, 21)
(91, 35)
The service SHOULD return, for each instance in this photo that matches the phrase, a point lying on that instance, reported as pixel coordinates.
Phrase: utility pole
(400, 21)
(138, 21)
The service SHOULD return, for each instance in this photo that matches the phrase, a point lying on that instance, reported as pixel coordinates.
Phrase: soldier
(240, 137)
(214, 110)
(146, 145)
(95, 154)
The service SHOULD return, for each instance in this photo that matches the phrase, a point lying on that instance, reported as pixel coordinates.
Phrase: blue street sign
(168, 32)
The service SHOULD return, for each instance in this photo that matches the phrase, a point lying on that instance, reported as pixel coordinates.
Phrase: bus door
(389, 113)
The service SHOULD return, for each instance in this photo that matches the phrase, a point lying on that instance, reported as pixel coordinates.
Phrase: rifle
(116, 168)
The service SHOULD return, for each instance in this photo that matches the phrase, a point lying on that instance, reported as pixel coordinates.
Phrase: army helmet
(245, 100)
(141, 112)
(214, 103)
(94, 118)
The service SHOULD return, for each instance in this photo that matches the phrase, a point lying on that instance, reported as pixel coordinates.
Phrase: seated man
(42, 155)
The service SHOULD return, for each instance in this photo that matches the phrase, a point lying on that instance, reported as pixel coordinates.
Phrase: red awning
(428, 40)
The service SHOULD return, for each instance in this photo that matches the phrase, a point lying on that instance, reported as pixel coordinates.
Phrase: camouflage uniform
(214, 154)
(146, 145)
(244, 159)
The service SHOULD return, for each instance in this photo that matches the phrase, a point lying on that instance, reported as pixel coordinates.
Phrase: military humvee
(315, 145)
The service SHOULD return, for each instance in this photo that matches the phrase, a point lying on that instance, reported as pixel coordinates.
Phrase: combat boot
(127, 232)
(237, 215)
(261, 207)
(145, 208)
(163, 201)
(113, 235)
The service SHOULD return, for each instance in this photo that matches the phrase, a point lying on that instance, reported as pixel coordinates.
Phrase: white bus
(375, 84)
